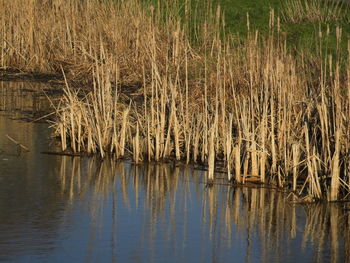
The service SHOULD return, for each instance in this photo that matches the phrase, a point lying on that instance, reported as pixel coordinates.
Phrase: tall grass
(324, 11)
(251, 107)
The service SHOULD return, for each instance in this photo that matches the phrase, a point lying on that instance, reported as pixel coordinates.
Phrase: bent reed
(165, 86)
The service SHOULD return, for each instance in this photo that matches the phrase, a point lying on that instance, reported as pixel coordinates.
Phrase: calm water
(64, 209)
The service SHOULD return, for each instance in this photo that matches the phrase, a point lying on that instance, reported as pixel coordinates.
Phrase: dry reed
(323, 11)
(153, 95)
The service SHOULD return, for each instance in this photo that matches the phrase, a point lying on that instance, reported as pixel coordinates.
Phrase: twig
(17, 143)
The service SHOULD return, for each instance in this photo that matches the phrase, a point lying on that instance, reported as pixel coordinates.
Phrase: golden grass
(323, 11)
(253, 106)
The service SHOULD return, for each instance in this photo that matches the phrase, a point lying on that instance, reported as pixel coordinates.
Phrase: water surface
(64, 209)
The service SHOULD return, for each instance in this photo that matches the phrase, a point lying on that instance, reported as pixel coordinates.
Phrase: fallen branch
(17, 143)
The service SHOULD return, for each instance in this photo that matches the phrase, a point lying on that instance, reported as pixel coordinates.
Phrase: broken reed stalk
(211, 156)
(229, 150)
(237, 155)
(17, 143)
(296, 155)
(150, 94)
(335, 183)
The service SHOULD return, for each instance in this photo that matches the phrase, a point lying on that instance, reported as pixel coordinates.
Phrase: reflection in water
(64, 209)
(27, 100)
(28, 206)
(254, 224)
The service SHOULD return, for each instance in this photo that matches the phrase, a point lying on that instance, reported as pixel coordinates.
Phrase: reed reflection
(27, 100)
(265, 217)
(260, 220)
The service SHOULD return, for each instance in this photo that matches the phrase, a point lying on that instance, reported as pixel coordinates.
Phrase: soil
(7, 74)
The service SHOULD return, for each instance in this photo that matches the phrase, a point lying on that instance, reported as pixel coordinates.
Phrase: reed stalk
(296, 11)
(149, 92)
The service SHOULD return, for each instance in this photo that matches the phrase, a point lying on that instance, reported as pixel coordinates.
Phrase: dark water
(64, 209)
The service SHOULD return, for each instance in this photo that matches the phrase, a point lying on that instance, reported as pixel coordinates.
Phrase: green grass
(300, 36)
(236, 14)
(303, 35)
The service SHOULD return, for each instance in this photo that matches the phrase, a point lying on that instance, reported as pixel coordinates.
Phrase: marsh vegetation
(107, 210)
(168, 81)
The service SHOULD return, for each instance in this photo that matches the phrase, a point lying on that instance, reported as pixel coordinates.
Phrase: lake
(74, 209)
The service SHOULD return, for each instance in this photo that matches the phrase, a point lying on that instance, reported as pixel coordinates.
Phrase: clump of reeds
(250, 106)
(323, 11)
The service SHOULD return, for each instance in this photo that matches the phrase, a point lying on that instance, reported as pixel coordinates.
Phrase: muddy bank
(7, 74)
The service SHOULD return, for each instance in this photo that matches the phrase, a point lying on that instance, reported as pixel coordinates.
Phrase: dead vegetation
(252, 105)
(322, 11)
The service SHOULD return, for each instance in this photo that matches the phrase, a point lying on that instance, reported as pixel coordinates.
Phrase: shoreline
(142, 88)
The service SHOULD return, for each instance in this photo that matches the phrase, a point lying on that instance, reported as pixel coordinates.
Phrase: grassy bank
(198, 95)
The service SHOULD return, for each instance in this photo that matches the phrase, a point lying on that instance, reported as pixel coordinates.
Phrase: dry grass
(252, 106)
(323, 11)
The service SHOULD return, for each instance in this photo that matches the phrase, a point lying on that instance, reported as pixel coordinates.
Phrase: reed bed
(323, 11)
(150, 93)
